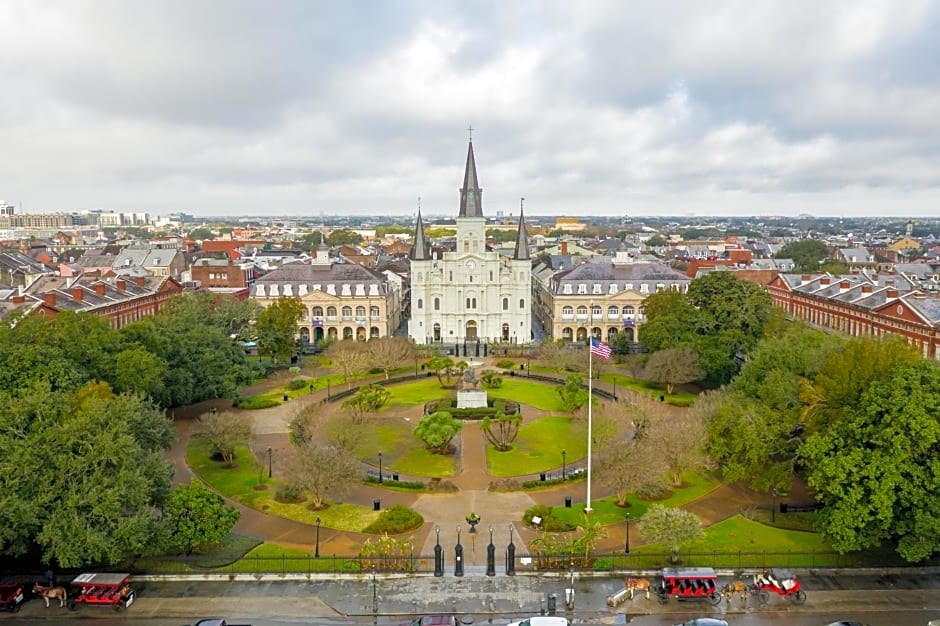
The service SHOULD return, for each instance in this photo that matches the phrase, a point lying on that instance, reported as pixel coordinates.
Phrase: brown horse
(737, 586)
(638, 583)
(58, 593)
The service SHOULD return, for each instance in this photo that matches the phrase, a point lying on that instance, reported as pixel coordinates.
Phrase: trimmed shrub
(257, 402)
(411, 485)
(394, 521)
(297, 383)
(505, 364)
(654, 490)
(289, 493)
(549, 522)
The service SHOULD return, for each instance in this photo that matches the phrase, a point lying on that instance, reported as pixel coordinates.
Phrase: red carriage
(12, 592)
(108, 589)
(779, 581)
(690, 583)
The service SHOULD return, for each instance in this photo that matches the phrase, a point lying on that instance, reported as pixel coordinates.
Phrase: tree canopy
(437, 430)
(807, 254)
(343, 237)
(199, 518)
(276, 327)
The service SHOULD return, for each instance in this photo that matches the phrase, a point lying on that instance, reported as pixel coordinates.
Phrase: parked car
(541, 620)
(704, 621)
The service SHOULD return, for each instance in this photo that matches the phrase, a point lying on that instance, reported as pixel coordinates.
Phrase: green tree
(807, 254)
(439, 233)
(627, 465)
(437, 430)
(84, 474)
(491, 380)
(139, 371)
(656, 241)
(445, 370)
(572, 392)
(311, 241)
(671, 321)
(199, 518)
(200, 234)
(276, 327)
(501, 235)
(590, 532)
(674, 366)
(344, 237)
(876, 469)
(670, 527)
(501, 430)
(368, 399)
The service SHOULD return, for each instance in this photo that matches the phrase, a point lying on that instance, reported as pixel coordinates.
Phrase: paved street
(481, 599)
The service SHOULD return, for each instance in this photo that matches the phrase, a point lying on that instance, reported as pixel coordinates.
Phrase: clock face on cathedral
(471, 264)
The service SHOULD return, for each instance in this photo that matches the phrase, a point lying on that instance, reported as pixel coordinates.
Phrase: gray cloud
(601, 107)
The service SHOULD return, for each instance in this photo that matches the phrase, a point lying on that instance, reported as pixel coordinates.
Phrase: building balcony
(331, 318)
(347, 318)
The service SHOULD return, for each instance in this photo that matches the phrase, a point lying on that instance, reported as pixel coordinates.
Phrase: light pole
(375, 593)
(626, 547)
(491, 556)
(269, 462)
(773, 505)
(564, 464)
(380, 468)
(316, 551)
(510, 555)
(458, 555)
(438, 554)
(416, 366)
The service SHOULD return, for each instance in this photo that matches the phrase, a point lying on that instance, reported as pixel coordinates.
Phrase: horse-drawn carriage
(107, 589)
(12, 592)
(780, 581)
(690, 583)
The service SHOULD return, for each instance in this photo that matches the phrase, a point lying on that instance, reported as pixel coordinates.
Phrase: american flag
(600, 348)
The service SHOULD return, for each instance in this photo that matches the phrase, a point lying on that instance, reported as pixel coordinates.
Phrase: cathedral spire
(419, 251)
(522, 239)
(471, 196)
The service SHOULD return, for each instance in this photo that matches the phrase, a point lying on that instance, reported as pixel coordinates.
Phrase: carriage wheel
(71, 605)
(763, 595)
(15, 609)
(714, 598)
(663, 599)
(799, 597)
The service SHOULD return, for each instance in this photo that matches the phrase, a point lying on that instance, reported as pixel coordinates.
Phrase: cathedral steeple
(419, 251)
(522, 239)
(471, 196)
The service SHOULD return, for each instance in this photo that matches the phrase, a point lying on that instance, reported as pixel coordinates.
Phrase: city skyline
(295, 108)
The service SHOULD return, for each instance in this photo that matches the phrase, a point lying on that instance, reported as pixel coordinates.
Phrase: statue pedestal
(471, 399)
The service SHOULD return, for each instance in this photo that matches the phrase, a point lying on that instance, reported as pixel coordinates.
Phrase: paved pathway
(445, 511)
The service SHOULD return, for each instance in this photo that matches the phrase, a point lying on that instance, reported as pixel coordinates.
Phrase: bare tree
(680, 443)
(323, 423)
(350, 357)
(322, 470)
(627, 466)
(674, 366)
(225, 431)
(391, 352)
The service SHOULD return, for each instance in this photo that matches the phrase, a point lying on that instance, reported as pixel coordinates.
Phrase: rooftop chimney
(804, 279)
(824, 281)
(49, 298)
(844, 285)
(99, 288)
(564, 248)
(121, 284)
(892, 294)
(866, 288)
(19, 299)
(139, 281)
(77, 293)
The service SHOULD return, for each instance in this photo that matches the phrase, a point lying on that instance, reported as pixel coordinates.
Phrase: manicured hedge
(394, 521)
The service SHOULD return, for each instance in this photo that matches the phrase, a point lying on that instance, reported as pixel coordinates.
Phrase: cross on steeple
(470, 131)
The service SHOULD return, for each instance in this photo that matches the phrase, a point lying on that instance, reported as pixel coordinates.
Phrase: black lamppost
(269, 462)
(458, 555)
(564, 464)
(438, 554)
(528, 365)
(773, 505)
(510, 555)
(491, 556)
(380, 467)
(416, 366)
(626, 547)
(316, 551)
(375, 593)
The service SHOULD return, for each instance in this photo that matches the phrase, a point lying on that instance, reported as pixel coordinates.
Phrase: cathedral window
(450, 277)
(466, 246)
(522, 303)
(473, 302)
(491, 276)
(437, 304)
(420, 304)
(505, 304)
(420, 276)
(475, 245)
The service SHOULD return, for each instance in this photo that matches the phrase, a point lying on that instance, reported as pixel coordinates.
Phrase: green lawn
(536, 394)
(538, 447)
(607, 511)
(401, 450)
(239, 484)
(412, 394)
(679, 398)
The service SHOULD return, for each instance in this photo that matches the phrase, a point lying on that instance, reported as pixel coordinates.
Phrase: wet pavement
(480, 598)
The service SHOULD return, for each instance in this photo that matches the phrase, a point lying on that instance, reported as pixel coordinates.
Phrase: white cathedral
(470, 294)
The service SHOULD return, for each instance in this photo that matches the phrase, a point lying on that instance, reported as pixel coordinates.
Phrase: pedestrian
(50, 578)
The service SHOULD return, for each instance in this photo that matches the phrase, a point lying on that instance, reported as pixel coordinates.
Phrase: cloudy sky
(358, 107)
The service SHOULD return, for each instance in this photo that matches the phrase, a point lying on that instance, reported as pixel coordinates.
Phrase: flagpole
(587, 507)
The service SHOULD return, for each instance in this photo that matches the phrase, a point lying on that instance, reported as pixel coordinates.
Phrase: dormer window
(597, 288)
(582, 288)
(567, 288)
(644, 288)
(613, 288)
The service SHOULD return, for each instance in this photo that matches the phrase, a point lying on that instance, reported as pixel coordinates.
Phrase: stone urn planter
(473, 519)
